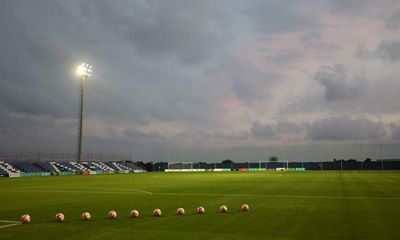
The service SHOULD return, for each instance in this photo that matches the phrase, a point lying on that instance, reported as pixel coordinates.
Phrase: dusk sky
(199, 75)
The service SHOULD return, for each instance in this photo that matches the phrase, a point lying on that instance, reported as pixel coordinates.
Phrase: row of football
(135, 213)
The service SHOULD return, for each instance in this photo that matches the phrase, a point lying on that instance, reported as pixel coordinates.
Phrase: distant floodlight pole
(84, 71)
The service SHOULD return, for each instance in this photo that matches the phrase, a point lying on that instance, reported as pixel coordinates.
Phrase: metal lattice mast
(84, 71)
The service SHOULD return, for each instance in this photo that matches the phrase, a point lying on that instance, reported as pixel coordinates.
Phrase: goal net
(180, 165)
(278, 166)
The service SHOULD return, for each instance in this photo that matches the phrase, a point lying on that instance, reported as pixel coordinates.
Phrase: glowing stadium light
(84, 70)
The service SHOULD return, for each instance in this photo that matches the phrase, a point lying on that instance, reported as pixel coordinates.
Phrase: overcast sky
(198, 74)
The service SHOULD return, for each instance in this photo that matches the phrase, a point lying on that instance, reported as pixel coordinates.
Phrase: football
(223, 209)
(201, 210)
(180, 211)
(25, 218)
(245, 207)
(134, 213)
(157, 212)
(86, 216)
(59, 217)
(112, 214)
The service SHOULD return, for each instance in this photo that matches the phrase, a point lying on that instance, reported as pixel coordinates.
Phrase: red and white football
(112, 214)
(134, 213)
(59, 217)
(25, 218)
(180, 211)
(157, 212)
(245, 207)
(201, 210)
(86, 216)
(223, 209)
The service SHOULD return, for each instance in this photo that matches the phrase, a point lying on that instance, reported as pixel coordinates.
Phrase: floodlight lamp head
(84, 70)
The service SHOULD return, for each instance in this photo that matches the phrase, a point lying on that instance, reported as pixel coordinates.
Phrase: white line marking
(70, 191)
(12, 223)
(280, 196)
(133, 191)
(8, 221)
(126, 190)
(9, 225)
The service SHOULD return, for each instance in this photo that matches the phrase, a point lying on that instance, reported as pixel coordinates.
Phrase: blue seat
(27, 167)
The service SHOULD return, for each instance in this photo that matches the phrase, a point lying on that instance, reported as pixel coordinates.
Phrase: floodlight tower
(84, 71)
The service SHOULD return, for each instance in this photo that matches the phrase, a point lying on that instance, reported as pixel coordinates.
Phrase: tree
(148, 166)
(141, 164)
(273, 159)
(227, 161)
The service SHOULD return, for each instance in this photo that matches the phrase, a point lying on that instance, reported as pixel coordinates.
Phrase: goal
(278, 166)
(180, 165)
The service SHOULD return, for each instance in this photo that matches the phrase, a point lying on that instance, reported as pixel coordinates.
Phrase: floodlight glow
(84, 70)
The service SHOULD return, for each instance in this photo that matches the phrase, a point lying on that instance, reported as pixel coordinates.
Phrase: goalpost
(180, 166)
(278, 165)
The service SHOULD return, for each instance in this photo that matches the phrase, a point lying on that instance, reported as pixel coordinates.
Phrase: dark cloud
(336, 83)
(357, 8)
(395, 131)
(190, 32)
(347, 95)
(387, 50)
(284, 126)
(284, 57)
(275, 17)
(47, 37)
(249, 83)
(263, 131)
(252, 88)
(240, 136)
(276, 130)
(393, 21)
(139, 51)
(342, 128)
(138, 134)
(313, 40)
(351, 5)
(304, 103)
(31, 64)
(175, 73)
(204, 137)
(362, 52)
(22, 132)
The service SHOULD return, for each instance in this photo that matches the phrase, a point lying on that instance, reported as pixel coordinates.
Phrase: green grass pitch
(283, 205)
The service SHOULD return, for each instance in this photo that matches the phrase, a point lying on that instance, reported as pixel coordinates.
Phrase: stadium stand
(8, 170)
(112, 165)
(132, 166)
(92, 167)
(103, 166)
(3, 173)
(122, 166)
(41, 166)
(118, 166)
(49, 166)
(27, 167)
(79, 166)
(67, 167)
(24, 168)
